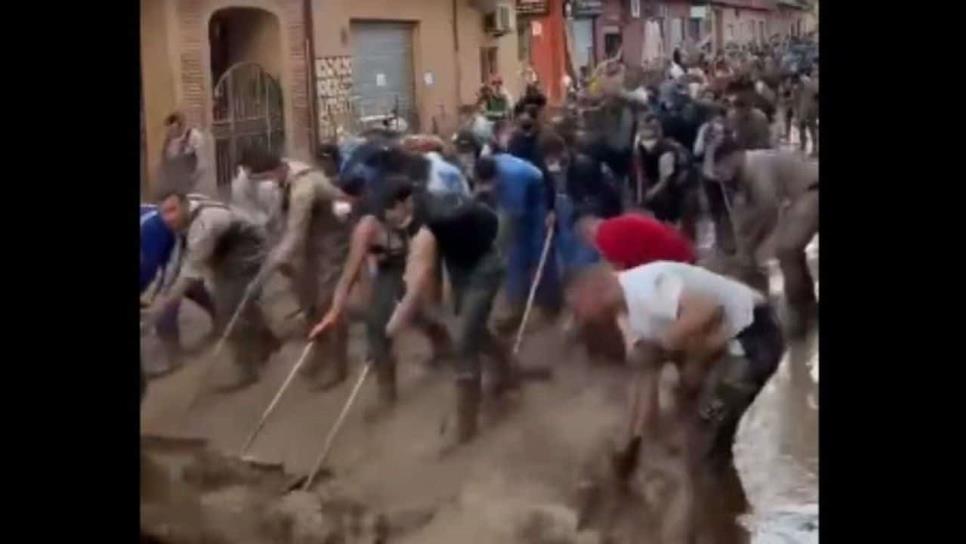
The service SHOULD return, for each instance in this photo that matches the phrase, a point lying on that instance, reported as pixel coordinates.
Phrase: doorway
(246, 68)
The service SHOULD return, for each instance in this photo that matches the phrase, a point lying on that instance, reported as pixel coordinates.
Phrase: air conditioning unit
(498, 23)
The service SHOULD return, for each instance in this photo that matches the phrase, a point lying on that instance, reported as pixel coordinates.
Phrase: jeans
(796, 228)
(474, 290)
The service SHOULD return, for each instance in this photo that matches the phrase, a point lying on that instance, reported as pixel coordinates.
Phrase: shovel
(306, 481)
(271, 406)
(533, 290)
(625, 460)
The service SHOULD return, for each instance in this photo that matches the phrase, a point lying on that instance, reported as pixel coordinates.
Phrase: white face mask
(554, 167)
(649, 143)
(341, 210)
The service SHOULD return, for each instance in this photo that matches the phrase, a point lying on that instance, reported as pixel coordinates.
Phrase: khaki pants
(798, 225)
(315, 288)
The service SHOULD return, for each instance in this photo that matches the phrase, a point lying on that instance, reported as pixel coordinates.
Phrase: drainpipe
(312, 97)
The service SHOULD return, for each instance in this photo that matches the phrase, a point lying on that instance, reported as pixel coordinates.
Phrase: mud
(538, 472)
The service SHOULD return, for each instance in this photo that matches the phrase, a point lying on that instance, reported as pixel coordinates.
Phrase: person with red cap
(631, 240)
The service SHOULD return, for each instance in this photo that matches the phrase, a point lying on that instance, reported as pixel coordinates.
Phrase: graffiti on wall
(334, 91)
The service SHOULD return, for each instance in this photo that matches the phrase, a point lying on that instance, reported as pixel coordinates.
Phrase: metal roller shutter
(382, 68)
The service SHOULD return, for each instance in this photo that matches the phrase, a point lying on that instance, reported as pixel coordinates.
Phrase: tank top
(392, 249)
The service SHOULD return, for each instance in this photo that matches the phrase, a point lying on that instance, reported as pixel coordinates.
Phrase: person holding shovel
(384, 235)
(776, 194)
(463, 233)
(157, 247)
(722, 336)
(516, 189)
(313, 245)
(224, 245)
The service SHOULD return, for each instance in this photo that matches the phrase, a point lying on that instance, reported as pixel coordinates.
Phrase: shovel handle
(276, 399)
(533, 290)
(330, 439)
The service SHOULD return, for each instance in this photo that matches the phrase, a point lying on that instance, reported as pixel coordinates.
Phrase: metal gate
(382, 71)
(247, 112)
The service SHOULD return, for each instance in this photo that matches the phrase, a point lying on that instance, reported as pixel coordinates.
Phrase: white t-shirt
(653, 293)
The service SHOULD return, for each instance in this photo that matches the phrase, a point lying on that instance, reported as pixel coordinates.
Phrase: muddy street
(517, 482)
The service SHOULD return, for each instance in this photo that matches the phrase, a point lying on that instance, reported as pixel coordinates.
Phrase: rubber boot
(505, 377)
(468, 397)
(386, 380)
(387, 393)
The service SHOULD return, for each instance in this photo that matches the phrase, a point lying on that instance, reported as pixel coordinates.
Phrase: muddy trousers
(387, 289)
(474, 290)
(167, 327)
(753, 226)
(314, 286)
(729, 391)
(250, 342)
(797, 227)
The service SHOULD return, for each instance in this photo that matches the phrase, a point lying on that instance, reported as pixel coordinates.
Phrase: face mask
(341, 210)
(554, 167)
(649, 143)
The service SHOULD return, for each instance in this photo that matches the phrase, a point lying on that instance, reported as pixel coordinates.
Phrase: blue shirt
(519, 187)
(157, 244)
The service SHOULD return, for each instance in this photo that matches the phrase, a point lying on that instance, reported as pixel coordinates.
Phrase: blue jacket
(157, 244)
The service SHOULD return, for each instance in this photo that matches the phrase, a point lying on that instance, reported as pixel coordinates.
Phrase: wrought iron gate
(247, 112)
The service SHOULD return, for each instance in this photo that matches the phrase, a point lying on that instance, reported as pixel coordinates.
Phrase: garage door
(382, 68)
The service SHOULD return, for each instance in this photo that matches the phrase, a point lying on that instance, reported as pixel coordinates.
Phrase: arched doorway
(246, 67)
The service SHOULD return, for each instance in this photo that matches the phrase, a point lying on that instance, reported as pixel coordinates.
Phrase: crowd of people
(596, 205)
